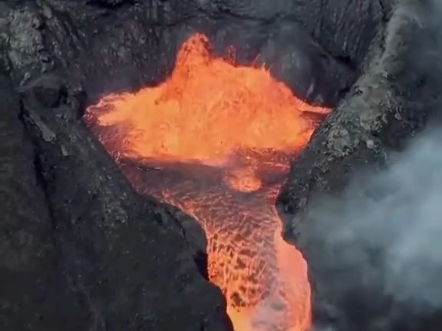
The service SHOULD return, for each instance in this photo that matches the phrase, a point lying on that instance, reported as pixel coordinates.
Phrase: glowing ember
(245, 126)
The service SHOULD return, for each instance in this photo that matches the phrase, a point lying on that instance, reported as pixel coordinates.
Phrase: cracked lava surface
(219, 138)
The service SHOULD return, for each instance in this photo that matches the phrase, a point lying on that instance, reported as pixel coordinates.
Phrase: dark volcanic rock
(128, 45)
(121, 261)
(80, 250)
(29, 279)
(344, 28)
(394, 99)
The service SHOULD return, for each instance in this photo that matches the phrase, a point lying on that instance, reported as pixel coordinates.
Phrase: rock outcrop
(396, 97)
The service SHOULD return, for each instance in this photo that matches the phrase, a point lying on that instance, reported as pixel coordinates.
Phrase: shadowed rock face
(396, 97)
(79, 249)
(113, 45)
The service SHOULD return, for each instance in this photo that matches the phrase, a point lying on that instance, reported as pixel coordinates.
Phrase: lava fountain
(216, 140)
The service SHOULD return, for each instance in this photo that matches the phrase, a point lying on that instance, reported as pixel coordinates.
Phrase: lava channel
(216, 140)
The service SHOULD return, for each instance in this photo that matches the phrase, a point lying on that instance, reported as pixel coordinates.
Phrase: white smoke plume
(381, 239)
(379, 243)
(395, 217)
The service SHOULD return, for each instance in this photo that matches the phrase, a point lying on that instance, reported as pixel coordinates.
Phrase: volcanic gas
(216, 140)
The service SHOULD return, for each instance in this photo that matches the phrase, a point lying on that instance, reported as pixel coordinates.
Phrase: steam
(397, 215)
(380, 241)
(383, 235)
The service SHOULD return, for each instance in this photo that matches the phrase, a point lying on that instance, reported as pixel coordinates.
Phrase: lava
(216, 140)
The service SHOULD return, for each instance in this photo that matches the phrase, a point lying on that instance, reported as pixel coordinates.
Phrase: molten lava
(216, 139)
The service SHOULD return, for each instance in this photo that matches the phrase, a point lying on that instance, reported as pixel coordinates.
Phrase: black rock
(396, 97)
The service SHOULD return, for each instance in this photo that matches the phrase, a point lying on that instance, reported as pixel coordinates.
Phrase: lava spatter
(220, 138)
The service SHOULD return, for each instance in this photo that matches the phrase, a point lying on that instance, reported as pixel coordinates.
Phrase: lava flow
(215, 140)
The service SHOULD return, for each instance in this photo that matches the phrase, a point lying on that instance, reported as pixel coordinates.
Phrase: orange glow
(244, 126)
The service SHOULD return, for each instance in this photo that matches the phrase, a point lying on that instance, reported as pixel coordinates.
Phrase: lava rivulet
(215, 140)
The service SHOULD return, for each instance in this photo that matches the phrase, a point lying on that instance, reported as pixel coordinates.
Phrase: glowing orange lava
(215, 140)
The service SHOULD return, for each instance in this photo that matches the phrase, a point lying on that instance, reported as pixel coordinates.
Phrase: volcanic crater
(227, 141)
(216, 140)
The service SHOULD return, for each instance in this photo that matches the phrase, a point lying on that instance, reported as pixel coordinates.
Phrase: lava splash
(216, 140)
